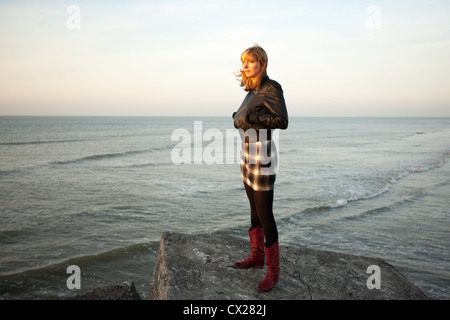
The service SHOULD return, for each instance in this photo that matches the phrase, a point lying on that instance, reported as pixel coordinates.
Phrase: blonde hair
(258, 54)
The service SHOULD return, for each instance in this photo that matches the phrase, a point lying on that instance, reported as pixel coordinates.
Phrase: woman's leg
(256, 235)
(262, 203)
(261, 213)
(254, 219)
(264, 208)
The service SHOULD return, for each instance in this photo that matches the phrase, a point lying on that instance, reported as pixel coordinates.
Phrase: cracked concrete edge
(195, 266)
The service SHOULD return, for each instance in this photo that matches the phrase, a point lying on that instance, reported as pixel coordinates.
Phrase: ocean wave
(107, 256)
(10, 172)
(92, 158)
(383, 209)
(24, 143)
(98, 157)
(385, 187)
(326, 214)
(370, 212)
(52, 164)
(103, 156)
(145, 165)
(425, 167)
(327, 206)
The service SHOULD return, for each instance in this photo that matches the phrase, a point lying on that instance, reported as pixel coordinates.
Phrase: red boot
(273, 268)
(256, 258)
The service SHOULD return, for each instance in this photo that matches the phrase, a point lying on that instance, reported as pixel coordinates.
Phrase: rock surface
(124, 291)
(196, 267)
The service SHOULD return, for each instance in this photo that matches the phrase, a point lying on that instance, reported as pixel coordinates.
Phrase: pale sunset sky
(178, 58)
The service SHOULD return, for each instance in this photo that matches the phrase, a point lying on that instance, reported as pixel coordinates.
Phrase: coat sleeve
(274, 115)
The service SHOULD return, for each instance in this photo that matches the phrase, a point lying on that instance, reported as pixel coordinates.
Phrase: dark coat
(263, 109)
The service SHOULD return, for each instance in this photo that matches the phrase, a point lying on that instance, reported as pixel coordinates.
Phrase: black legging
(261, 203)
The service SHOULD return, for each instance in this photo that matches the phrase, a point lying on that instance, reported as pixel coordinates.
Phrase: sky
(179, 58)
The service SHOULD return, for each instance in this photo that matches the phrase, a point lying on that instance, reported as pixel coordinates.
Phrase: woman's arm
(274, 115)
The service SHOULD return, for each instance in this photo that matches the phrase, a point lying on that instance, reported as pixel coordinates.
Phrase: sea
(98, 192)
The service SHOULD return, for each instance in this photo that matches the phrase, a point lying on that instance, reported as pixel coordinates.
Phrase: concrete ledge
(200, 267)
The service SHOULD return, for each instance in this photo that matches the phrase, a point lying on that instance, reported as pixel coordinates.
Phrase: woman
(262, 110)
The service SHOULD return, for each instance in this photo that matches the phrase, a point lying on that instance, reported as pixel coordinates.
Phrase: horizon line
(206, 116)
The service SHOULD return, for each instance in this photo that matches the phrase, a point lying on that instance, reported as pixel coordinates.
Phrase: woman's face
(251, 67)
